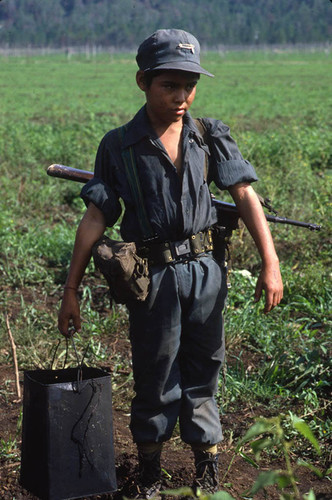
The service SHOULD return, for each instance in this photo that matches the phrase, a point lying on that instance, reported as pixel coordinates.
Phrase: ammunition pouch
(169, 252)
(126, 273)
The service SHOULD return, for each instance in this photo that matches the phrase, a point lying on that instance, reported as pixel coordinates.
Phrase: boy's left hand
(254, 218)
(270, 281)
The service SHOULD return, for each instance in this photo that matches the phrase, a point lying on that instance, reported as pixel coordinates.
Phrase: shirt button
(191, 141)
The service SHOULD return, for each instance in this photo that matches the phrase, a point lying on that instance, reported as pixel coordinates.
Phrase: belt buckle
(182, 247)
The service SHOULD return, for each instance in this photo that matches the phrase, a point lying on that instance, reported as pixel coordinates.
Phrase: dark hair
(150, 75)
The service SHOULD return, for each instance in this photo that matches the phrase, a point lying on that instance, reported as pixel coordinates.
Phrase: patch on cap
(187, 46)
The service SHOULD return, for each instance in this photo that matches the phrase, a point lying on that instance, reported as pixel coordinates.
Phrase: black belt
(172, 251)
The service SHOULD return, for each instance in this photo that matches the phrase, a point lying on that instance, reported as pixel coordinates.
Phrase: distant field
(55, 109)
(253, 84)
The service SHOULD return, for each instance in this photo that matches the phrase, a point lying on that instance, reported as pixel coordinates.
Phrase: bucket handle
(79, 362)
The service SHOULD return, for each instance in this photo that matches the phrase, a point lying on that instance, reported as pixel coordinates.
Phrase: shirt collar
(190, 125)
(140, 127)
(191, 128)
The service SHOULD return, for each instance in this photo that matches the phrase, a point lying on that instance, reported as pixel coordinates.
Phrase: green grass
(55, 110)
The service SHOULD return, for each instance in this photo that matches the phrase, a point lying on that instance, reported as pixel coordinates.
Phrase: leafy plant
(9, 449)
(267, 434)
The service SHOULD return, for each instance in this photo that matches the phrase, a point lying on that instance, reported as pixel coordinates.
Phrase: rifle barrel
(230, 207)
(284, 220)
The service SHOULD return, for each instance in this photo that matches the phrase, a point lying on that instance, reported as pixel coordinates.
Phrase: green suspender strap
(129, 160)
(202, 130)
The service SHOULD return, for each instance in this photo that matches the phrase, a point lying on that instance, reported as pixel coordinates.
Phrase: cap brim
(182, 66)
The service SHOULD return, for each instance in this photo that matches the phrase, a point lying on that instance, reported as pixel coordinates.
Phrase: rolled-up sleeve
(98, 190)
(227, 166)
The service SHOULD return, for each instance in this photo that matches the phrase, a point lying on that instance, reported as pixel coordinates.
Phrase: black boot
(207, 477)
(149, 469)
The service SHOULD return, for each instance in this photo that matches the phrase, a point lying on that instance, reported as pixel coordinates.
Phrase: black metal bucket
(67, 435)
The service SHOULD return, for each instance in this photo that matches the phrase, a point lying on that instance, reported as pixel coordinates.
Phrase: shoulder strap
(203, 131)
(129, 160)
(201, 127)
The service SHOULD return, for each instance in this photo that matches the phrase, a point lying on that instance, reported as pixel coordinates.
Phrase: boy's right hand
(69, 317)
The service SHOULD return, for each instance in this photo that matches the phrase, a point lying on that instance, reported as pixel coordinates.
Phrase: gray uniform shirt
(176, 207)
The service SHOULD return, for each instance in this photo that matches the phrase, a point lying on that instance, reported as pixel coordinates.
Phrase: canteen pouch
(126, 273)
(67, 433)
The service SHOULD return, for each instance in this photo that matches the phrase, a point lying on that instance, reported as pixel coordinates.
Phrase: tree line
(124, 23)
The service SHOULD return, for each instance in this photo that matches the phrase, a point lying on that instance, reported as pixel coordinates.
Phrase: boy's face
(169, 96)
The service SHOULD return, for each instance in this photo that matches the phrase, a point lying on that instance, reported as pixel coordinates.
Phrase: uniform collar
(190, 125)
(140, 127)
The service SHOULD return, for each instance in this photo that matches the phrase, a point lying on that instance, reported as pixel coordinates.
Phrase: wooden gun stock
(69, 173)
(74, 174)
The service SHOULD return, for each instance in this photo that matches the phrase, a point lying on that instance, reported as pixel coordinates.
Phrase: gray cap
(170, 49)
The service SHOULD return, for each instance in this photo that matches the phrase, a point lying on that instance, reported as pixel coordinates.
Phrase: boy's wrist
(68, 287)
(270, 261)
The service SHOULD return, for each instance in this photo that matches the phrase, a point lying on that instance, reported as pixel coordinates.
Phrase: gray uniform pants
(177, 343)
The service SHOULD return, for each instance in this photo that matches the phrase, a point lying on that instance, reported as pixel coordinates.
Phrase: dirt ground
(177, 459)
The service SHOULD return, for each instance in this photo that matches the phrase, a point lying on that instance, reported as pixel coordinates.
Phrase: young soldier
(177, 333)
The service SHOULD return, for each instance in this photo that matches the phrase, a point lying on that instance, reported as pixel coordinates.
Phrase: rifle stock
(75, 174)
(69, 173)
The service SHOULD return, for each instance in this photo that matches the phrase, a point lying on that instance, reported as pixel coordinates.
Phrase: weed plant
(55, 110)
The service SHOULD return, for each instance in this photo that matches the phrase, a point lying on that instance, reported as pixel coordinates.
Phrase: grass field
(56, 110)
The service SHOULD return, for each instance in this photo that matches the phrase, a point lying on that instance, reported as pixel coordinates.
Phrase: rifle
(226, 211)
